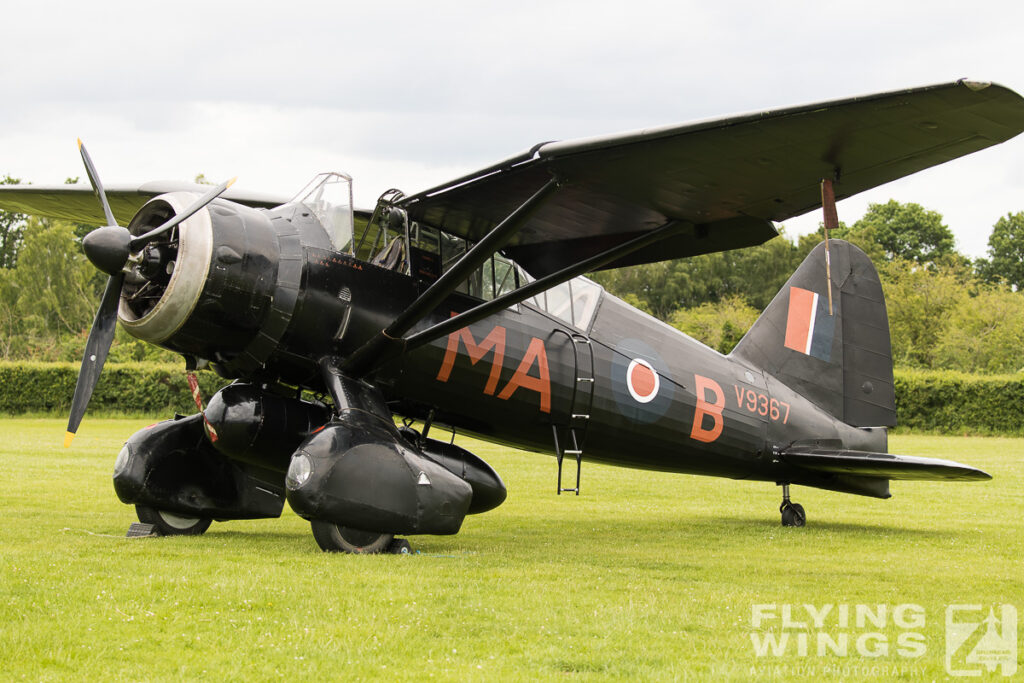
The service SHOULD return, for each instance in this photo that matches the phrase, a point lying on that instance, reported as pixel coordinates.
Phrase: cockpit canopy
(329, 197)
(426, 252)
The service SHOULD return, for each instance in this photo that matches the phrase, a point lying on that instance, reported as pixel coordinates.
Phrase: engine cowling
(223, 285)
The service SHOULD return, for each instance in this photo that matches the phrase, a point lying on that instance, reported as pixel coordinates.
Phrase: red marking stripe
(798, 324)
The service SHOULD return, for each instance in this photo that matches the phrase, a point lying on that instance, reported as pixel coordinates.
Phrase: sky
(410, 94)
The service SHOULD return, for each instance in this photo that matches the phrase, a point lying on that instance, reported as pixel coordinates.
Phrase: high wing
(728, 179)
(884, 465)
(78, 202)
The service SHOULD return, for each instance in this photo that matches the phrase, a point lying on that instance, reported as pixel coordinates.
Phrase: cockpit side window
(432, 252)
(425, 252)
(574, 302)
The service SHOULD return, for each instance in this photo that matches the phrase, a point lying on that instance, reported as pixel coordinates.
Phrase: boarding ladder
(574, 431)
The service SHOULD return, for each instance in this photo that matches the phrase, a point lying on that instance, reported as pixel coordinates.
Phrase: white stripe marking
(810, 328)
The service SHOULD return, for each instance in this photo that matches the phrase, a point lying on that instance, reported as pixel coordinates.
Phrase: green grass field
(645, 576)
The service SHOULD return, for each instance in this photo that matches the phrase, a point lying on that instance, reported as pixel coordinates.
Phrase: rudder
(841, 362)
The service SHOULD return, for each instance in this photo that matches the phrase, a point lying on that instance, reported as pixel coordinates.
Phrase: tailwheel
(792, 513)
(333, 538)
(170, 524)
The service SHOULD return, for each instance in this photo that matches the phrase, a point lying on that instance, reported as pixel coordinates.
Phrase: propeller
(109, 248)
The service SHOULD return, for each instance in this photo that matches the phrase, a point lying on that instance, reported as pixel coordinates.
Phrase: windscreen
(329, 197)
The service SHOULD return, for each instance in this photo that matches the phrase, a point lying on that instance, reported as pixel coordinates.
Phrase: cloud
(405, 92)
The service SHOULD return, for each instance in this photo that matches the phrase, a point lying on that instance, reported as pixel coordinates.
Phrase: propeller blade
(142, 240)
(97, 186)
(96, 348)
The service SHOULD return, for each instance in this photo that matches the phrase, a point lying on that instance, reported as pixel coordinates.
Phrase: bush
(135, 388)
(720, 325)
(935, 401)
(951, 402)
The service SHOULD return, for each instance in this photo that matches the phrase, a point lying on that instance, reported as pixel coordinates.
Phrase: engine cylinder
(207, 288)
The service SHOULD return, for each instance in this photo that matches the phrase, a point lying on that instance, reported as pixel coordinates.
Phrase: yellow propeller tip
(79, 143)
(68, 436)
(232, 181)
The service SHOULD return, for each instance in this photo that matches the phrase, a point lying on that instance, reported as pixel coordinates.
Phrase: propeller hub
(108, 248)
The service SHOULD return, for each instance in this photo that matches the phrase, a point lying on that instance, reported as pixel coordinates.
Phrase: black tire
(794, 515)
(341, 539)
(170, 524)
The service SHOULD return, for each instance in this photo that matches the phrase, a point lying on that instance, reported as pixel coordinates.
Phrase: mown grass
(645, 576)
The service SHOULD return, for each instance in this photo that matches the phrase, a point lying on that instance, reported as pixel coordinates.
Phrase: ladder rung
(571, 452)
(580, 417)
(584, 379)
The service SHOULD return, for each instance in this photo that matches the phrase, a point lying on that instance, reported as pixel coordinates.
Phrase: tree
(51, 294)
(984, 333)
(864, 238)
(919, 301)
(755, 274)
(719, 325)
(12, 230)
(907, 231)
(651, 287)
(1006, 252)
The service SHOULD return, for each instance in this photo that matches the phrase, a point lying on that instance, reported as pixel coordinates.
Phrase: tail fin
(841, 362)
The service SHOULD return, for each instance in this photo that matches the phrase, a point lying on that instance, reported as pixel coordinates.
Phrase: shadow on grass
(700, 526)
(881, 528)
(529, 535)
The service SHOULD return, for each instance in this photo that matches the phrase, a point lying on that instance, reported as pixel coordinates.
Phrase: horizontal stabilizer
(883, 465)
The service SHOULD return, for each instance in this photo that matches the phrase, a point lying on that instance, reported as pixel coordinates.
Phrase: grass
(645, 576)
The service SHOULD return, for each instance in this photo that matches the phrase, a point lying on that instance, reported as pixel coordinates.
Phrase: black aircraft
(464, 306)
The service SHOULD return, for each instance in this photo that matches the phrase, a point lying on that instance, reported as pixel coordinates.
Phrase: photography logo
(980, 639)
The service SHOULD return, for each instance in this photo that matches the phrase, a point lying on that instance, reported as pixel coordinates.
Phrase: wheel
(794, 515)
(341, 539)
(170, 524)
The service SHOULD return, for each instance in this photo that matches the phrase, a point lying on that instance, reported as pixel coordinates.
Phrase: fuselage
(518, 377)
(579, 365)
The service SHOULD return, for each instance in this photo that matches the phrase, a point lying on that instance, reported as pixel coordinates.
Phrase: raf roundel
(642, 381)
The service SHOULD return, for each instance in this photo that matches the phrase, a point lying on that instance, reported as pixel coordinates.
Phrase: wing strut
(537, 286)
(386, 347)
(387, 341)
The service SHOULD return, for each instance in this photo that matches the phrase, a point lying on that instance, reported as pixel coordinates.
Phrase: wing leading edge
(728, 178)
(78, 202)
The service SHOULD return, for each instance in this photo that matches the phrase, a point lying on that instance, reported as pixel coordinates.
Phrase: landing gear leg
(792, 513)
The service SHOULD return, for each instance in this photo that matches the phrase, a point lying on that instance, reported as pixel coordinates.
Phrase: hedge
(959, 403)
(134, 388)
(944, 402)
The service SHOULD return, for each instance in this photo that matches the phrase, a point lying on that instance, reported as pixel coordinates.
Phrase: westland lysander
(465, 306)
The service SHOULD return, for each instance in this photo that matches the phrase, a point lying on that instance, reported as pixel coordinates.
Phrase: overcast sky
(409, 94)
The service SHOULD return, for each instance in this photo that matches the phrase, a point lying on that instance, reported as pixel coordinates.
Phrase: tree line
(946, 311)
(49, 292)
